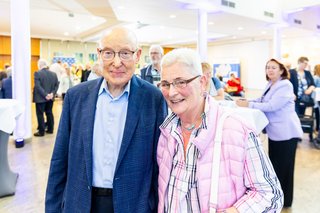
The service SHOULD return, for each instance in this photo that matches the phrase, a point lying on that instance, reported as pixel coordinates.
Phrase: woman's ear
(203, 82)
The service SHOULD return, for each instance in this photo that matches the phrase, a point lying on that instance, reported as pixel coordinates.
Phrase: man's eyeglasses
(109, 55)
(176, 83)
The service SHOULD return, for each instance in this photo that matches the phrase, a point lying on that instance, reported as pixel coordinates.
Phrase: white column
(21, 59)
(202, 34)
(276, 43)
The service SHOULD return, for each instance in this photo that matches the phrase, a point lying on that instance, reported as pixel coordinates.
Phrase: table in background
(254, 116)
(10, 109)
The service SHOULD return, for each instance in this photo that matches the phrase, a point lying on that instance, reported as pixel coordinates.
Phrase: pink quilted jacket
(247, 180)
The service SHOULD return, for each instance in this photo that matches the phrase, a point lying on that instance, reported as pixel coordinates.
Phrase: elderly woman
(284, 128)
(198, 138)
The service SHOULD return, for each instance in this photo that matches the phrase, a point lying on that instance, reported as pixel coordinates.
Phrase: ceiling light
(263, 32)
(211, 23)
(66, 33)
(172, 16)
(240, 28)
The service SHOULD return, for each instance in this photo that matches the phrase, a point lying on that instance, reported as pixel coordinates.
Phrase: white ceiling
(167, 22)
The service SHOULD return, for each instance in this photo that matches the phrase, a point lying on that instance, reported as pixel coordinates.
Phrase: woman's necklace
(192, 126)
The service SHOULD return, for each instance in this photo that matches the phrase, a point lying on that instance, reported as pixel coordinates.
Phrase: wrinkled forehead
(119, 39)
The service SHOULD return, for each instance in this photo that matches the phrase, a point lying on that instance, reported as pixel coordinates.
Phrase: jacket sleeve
(264, 193)
(37, 85)
(279, 98)
(161, 115)
(59, 163)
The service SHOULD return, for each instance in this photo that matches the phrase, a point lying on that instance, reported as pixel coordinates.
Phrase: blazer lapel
(134, 109)
(87, 120)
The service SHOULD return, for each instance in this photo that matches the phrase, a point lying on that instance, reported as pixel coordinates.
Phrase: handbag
(306, 100)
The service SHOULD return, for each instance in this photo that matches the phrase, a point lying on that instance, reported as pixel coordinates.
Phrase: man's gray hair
(156, 47)
(42, 63)
(186, 56)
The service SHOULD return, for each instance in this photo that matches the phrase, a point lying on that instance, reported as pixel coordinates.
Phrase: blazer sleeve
(278, 98)
(161, 115)
(309, 78)
(59, 162)
(294, 81)
(37, 85)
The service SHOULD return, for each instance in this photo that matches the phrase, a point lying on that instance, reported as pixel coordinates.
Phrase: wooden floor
(32, 163)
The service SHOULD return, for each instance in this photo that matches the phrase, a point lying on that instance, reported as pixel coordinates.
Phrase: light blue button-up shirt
(110, 118)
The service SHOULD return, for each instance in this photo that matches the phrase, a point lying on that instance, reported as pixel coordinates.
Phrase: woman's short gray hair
(186, 56)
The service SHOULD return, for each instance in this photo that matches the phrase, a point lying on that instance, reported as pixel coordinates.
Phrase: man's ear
(138, 55)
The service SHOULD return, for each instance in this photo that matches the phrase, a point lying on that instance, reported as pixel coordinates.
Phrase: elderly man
(45, 88)
(151, 73)
(104, 160)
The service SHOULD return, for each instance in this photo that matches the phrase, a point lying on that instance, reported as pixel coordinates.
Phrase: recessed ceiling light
(121, 7)
(263, 32)
(66, 33)
(240, 28)
(211, 23)
(172, 16)
(234, 37)
(162, 27)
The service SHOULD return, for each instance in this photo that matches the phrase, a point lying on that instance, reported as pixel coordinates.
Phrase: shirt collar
(104, 88)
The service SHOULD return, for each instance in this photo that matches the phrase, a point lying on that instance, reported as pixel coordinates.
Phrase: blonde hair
(206, 67)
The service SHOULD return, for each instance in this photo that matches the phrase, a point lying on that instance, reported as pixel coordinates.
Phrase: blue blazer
(136, 174)
(146, 73)
(278, 106)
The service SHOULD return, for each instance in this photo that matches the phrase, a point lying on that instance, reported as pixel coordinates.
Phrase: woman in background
(302, 82)
(284, 128)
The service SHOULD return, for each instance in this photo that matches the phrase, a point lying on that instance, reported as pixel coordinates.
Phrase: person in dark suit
(302, 82)
(45, 88)
(151, 73)
(104, 159)
(7, 86)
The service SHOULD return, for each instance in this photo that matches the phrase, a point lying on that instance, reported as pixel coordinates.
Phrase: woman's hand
(309, 90)
(242, 103)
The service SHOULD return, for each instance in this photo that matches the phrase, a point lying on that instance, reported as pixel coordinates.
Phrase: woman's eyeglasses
(176, 83)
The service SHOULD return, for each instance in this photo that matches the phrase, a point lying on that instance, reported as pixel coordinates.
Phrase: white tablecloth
(253, 116)
(10, 109)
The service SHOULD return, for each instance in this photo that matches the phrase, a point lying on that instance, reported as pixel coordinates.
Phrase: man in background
(151, 73)
(45, 88)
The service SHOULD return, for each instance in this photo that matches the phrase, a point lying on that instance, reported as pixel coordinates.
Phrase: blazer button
(89, 188)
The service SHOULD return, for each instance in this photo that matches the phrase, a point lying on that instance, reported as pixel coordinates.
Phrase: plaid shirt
(182, 189)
